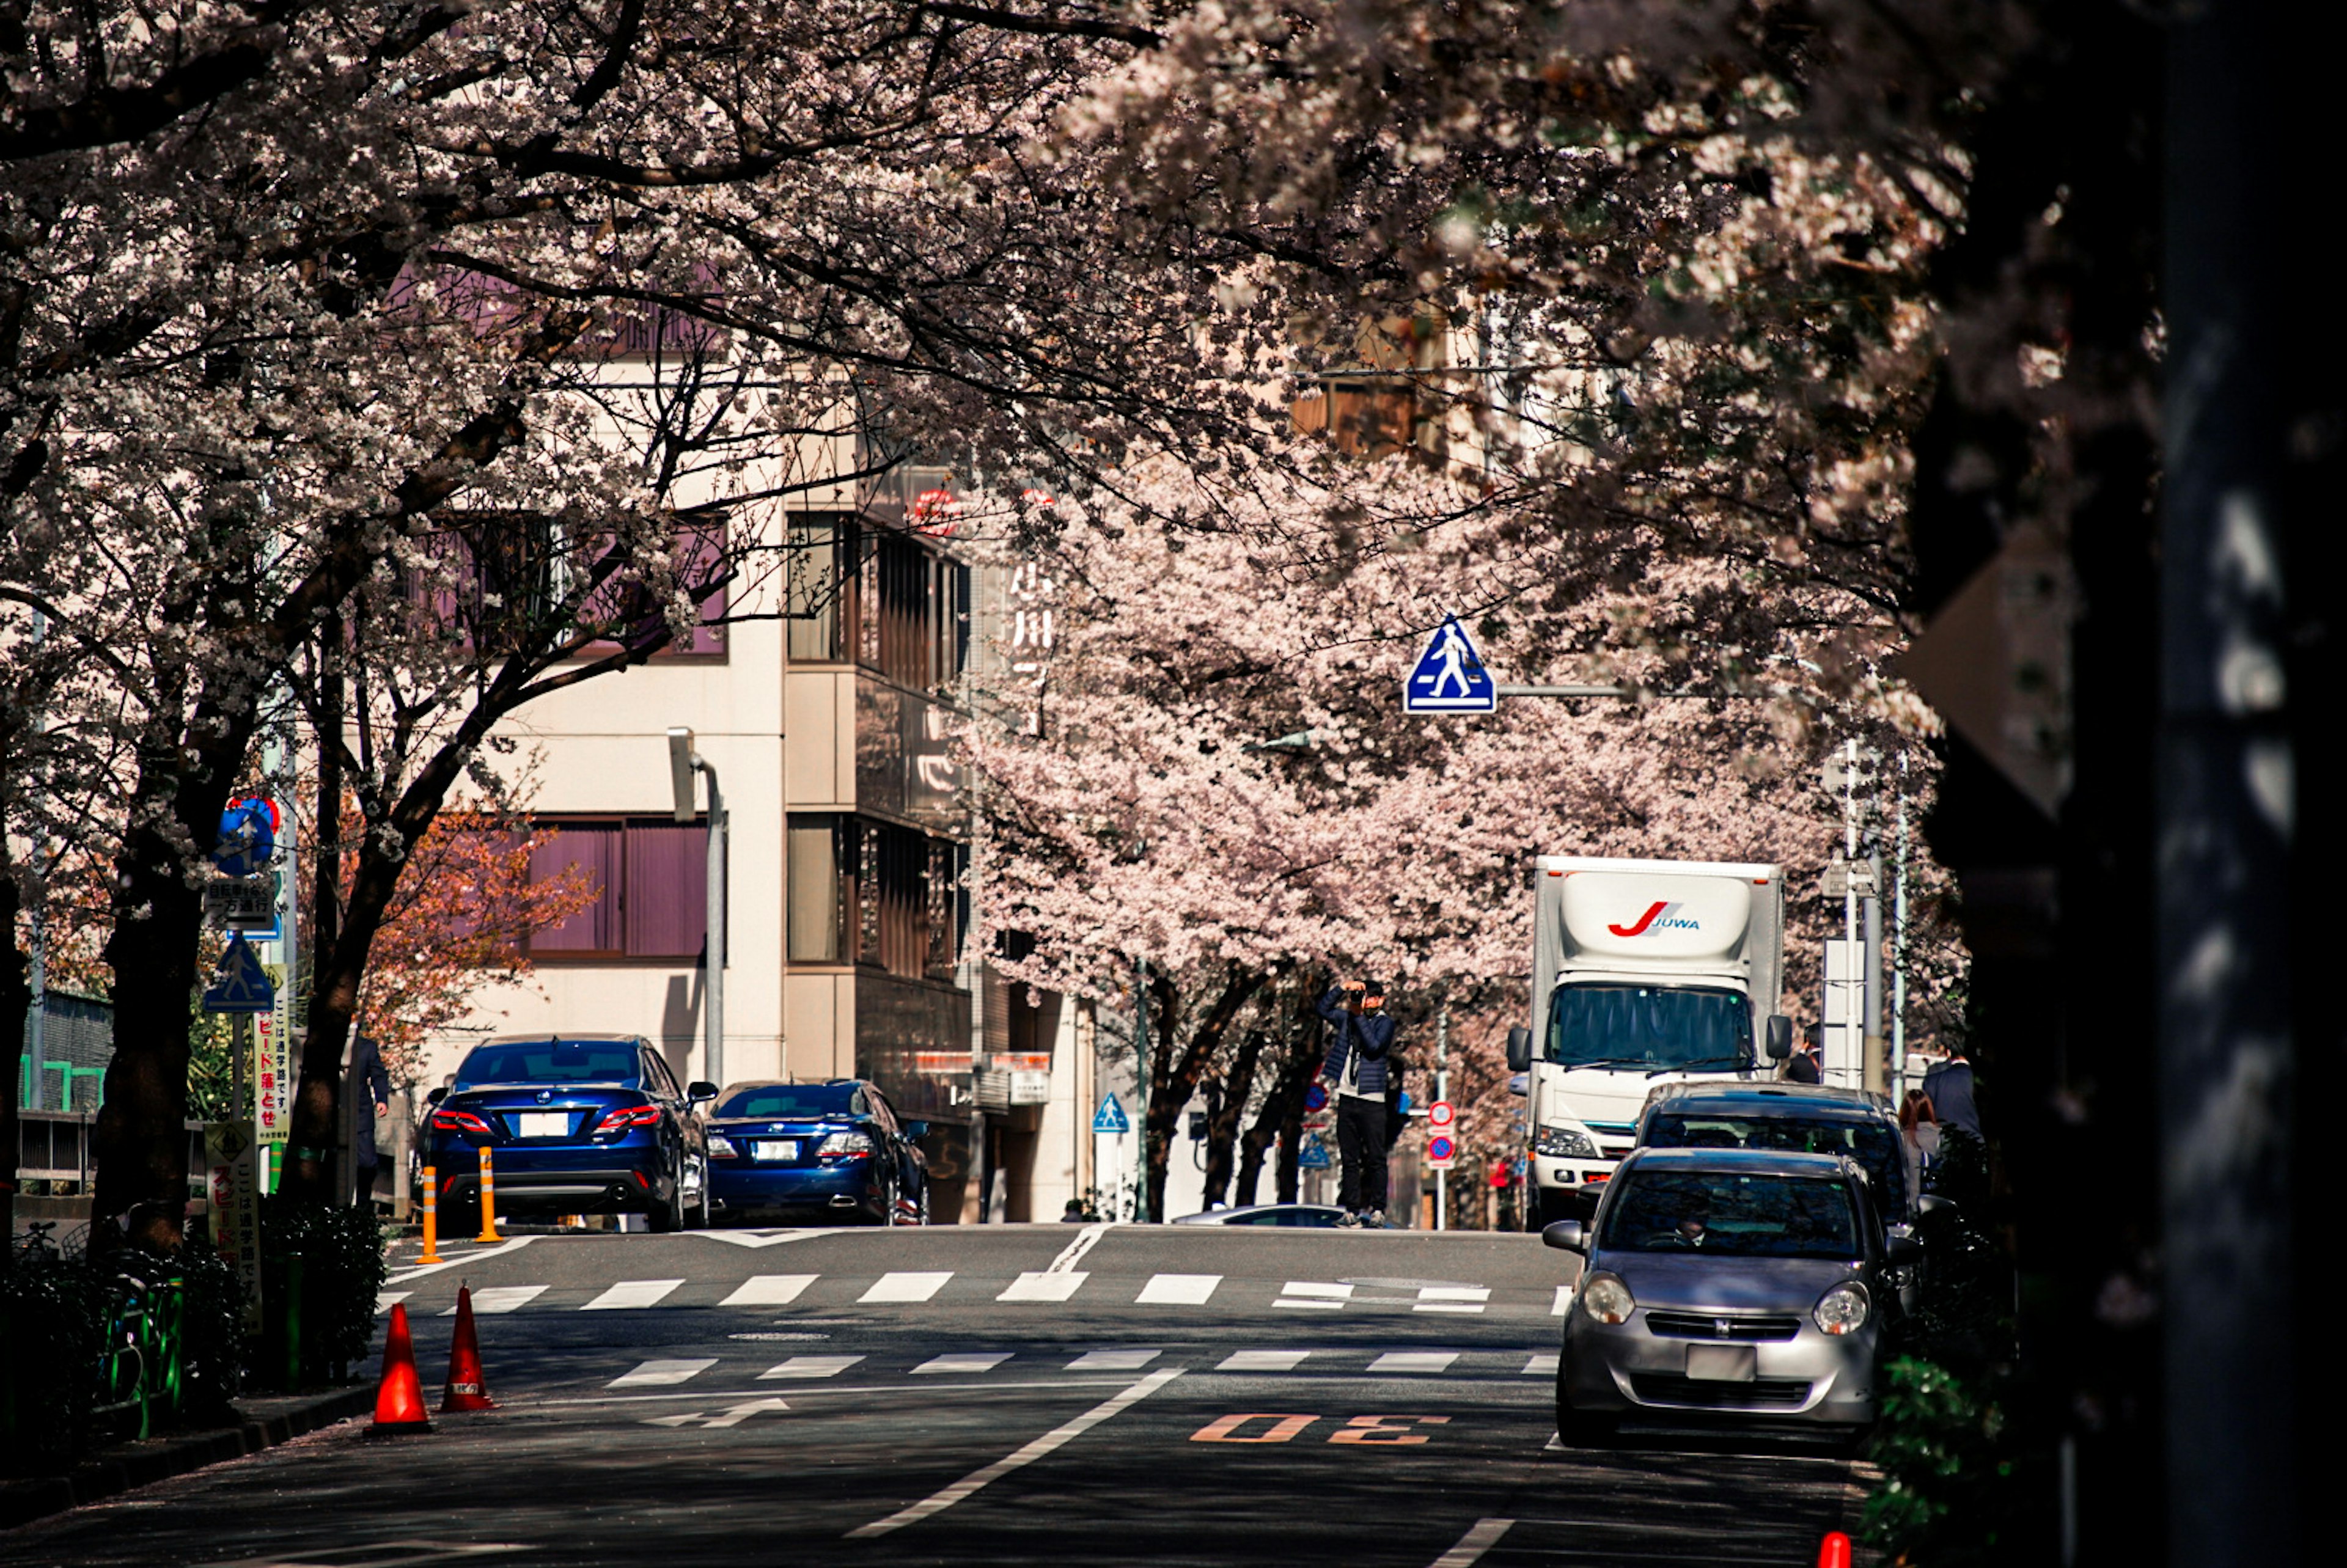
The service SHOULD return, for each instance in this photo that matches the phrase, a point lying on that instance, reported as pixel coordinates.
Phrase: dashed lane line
(660, 1374)
(1302, 1293)
(1542, 1364)
(1113, 1360)
(630, 1293)
(1400, 1361)
(963, 1362)
(1484, 1535)
(1050, 1443)
(1177, 1290)
(1263, 1360)
(769, 1290)
(907, 1285)
(1452, 1298)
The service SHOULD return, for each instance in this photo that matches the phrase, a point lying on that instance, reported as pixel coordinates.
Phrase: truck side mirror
(1520, 1049)
(1780, 1037)
(437, 1095)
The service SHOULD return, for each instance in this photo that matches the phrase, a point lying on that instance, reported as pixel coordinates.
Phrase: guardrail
(55, 1146)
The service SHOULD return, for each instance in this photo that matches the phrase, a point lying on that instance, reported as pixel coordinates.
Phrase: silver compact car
(1745, 1285)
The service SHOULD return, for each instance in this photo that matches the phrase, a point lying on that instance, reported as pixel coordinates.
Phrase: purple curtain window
(668, 889)
(594, 848)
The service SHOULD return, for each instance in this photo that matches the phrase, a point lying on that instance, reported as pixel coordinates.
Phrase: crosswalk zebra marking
(1394, 1361)
(1263, 1360)
(1542, 1364)
(1305, 1294)
(1113, 1360)
(495, 1298)
(1177, 1290)
(661, 1374)
(385, 1300)
(809, 1367)
(1044, 1286)
(770, 1290)
(1451, 1298)
(964, 1361)
(628, 1294)
(907, 1285)
(1563, 1300)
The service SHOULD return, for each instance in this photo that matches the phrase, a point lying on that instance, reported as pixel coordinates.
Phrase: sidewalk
(267, 1422)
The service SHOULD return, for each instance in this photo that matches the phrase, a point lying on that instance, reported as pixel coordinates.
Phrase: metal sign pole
(1442, 1094)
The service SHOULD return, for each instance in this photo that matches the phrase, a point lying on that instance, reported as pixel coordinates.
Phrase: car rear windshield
(1732, 1214)
(795, 1099)
(1872, 1144)
(552, 1061)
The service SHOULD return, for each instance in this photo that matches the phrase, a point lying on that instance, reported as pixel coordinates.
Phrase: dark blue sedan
(798, 1150)
(575, 1125)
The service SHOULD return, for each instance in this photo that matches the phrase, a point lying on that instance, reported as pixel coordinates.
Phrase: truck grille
(1720, 1326)
(1762, 1394)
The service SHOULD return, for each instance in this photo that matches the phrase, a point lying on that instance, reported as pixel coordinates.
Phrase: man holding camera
(1360, 1060)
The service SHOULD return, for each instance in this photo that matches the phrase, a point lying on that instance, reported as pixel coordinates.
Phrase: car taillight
(844, 1147)
(720, 1147)
(458, 1121)
(628, 1116)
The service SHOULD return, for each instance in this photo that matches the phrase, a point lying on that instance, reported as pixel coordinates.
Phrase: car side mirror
(1902, 1249)
(1520, 1049)
(1780, 1037)
(917, 1130)
(700, 1093)
(1522, 1083)
(1933, 1204)
(436, 1096)
(1566, 1234)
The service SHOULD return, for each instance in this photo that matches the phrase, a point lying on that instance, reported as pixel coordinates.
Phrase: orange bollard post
(488, 1198)
(430, 1253)
(1833, 1552)
(468, 1389)
(399, 1398)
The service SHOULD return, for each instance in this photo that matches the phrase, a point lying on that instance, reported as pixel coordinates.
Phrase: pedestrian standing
(1806, 1064)
(368, 1077)
(1357, 1066)
(1918, 1140)
(1949, 1083)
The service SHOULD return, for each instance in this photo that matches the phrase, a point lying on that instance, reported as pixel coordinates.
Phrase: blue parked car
(576, 1124)
(835, 1148)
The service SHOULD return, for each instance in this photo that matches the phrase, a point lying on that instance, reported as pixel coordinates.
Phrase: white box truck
(1644, 972)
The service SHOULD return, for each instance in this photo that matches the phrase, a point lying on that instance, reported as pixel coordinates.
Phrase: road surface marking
(811, 1366)
(1451, 1298)
(1073, 1252)
(1414, 1361)
(1177, 1290)
(1542, 1364)
(1474, 1543)
(1058, 1437)
(1373, 1429)
(964, 1361)
(1226, 1429)
(906, 1286)
(1305, 1294)
(1044, 1287)
(769, 1290)
(405, 1275)
(751, 1238)
(1263, 1360)
(501, 1298)
(631, 1293)
(1563, 1300)
(660, 1374)
(1113, 1360)
(1555, 1444)
(742, 1412)
(385, 1300)
(1059, 1385)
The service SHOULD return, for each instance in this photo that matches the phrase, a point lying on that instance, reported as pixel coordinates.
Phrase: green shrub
(53, 1315)
(212, 1338)
(341, 1255)
(1945, 1501)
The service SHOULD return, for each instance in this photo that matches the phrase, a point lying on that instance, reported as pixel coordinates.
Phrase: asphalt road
(997, 1395)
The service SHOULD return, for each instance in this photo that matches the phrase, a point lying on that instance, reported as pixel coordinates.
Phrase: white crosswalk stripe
(385, 1300)
(1451, 1298)
(492, 1298)
(661, 1374)
(1177, 1290)
(1542, 1364)
(1305, 1294)
(1044, 1287)
(907, 1285)
(1113, 1360)
(1563, 1300)
(809, 1367)
(967, 1361)
(630, 1293)
(769, 1290)
(1263, 1360)
(1414, 1361)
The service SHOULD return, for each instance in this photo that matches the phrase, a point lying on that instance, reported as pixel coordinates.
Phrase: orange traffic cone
(399, 1398)
(467, 1390)
(1833, 1552)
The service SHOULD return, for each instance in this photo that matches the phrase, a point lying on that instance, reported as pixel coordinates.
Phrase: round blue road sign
(1438, 1148)
(1315, 1097)
(248, 836)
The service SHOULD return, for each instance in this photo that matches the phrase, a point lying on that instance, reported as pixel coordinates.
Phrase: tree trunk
(1173, 1079)
(15, 999)
(1223, 1116)
(1282, 1116)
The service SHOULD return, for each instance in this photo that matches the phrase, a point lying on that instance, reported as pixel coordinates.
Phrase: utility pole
(1899, 942)
(683, 762)
(1140, 1087)
(1443, 1094)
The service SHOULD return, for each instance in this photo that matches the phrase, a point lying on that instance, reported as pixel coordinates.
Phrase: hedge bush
(340, 1251)
(53, 1316)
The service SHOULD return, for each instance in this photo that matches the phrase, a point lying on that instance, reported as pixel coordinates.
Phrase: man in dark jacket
(1806, 1064)
(1360, 1060)
(370, 1087)
(1949, 1083)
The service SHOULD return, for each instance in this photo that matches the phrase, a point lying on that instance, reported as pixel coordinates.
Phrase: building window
(820, 599)
(822, 888)
(876, 894)
(651, 883)
(894, 603)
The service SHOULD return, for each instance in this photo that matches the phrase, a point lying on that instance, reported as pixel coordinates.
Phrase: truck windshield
(1649, 1028)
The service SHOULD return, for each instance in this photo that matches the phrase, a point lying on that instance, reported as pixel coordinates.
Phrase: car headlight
(720, 1147)
(1563, 1141)
(1607, 1299)
(1844, 1309)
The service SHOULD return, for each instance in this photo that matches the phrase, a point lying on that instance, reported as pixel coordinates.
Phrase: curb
(141, 1464)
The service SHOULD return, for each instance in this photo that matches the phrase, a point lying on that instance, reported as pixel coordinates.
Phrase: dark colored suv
(574, 1124)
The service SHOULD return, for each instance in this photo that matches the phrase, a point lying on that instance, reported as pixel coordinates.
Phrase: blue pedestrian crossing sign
(1110, 1117)
(242, 985)
(1313, 1155)
(1449, 676)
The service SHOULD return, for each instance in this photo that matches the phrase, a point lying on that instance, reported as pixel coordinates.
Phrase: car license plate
(1723, 1363)
(544, 1124)
(775, 1149)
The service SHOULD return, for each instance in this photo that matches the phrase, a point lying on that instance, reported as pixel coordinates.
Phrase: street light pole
(683, 762)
